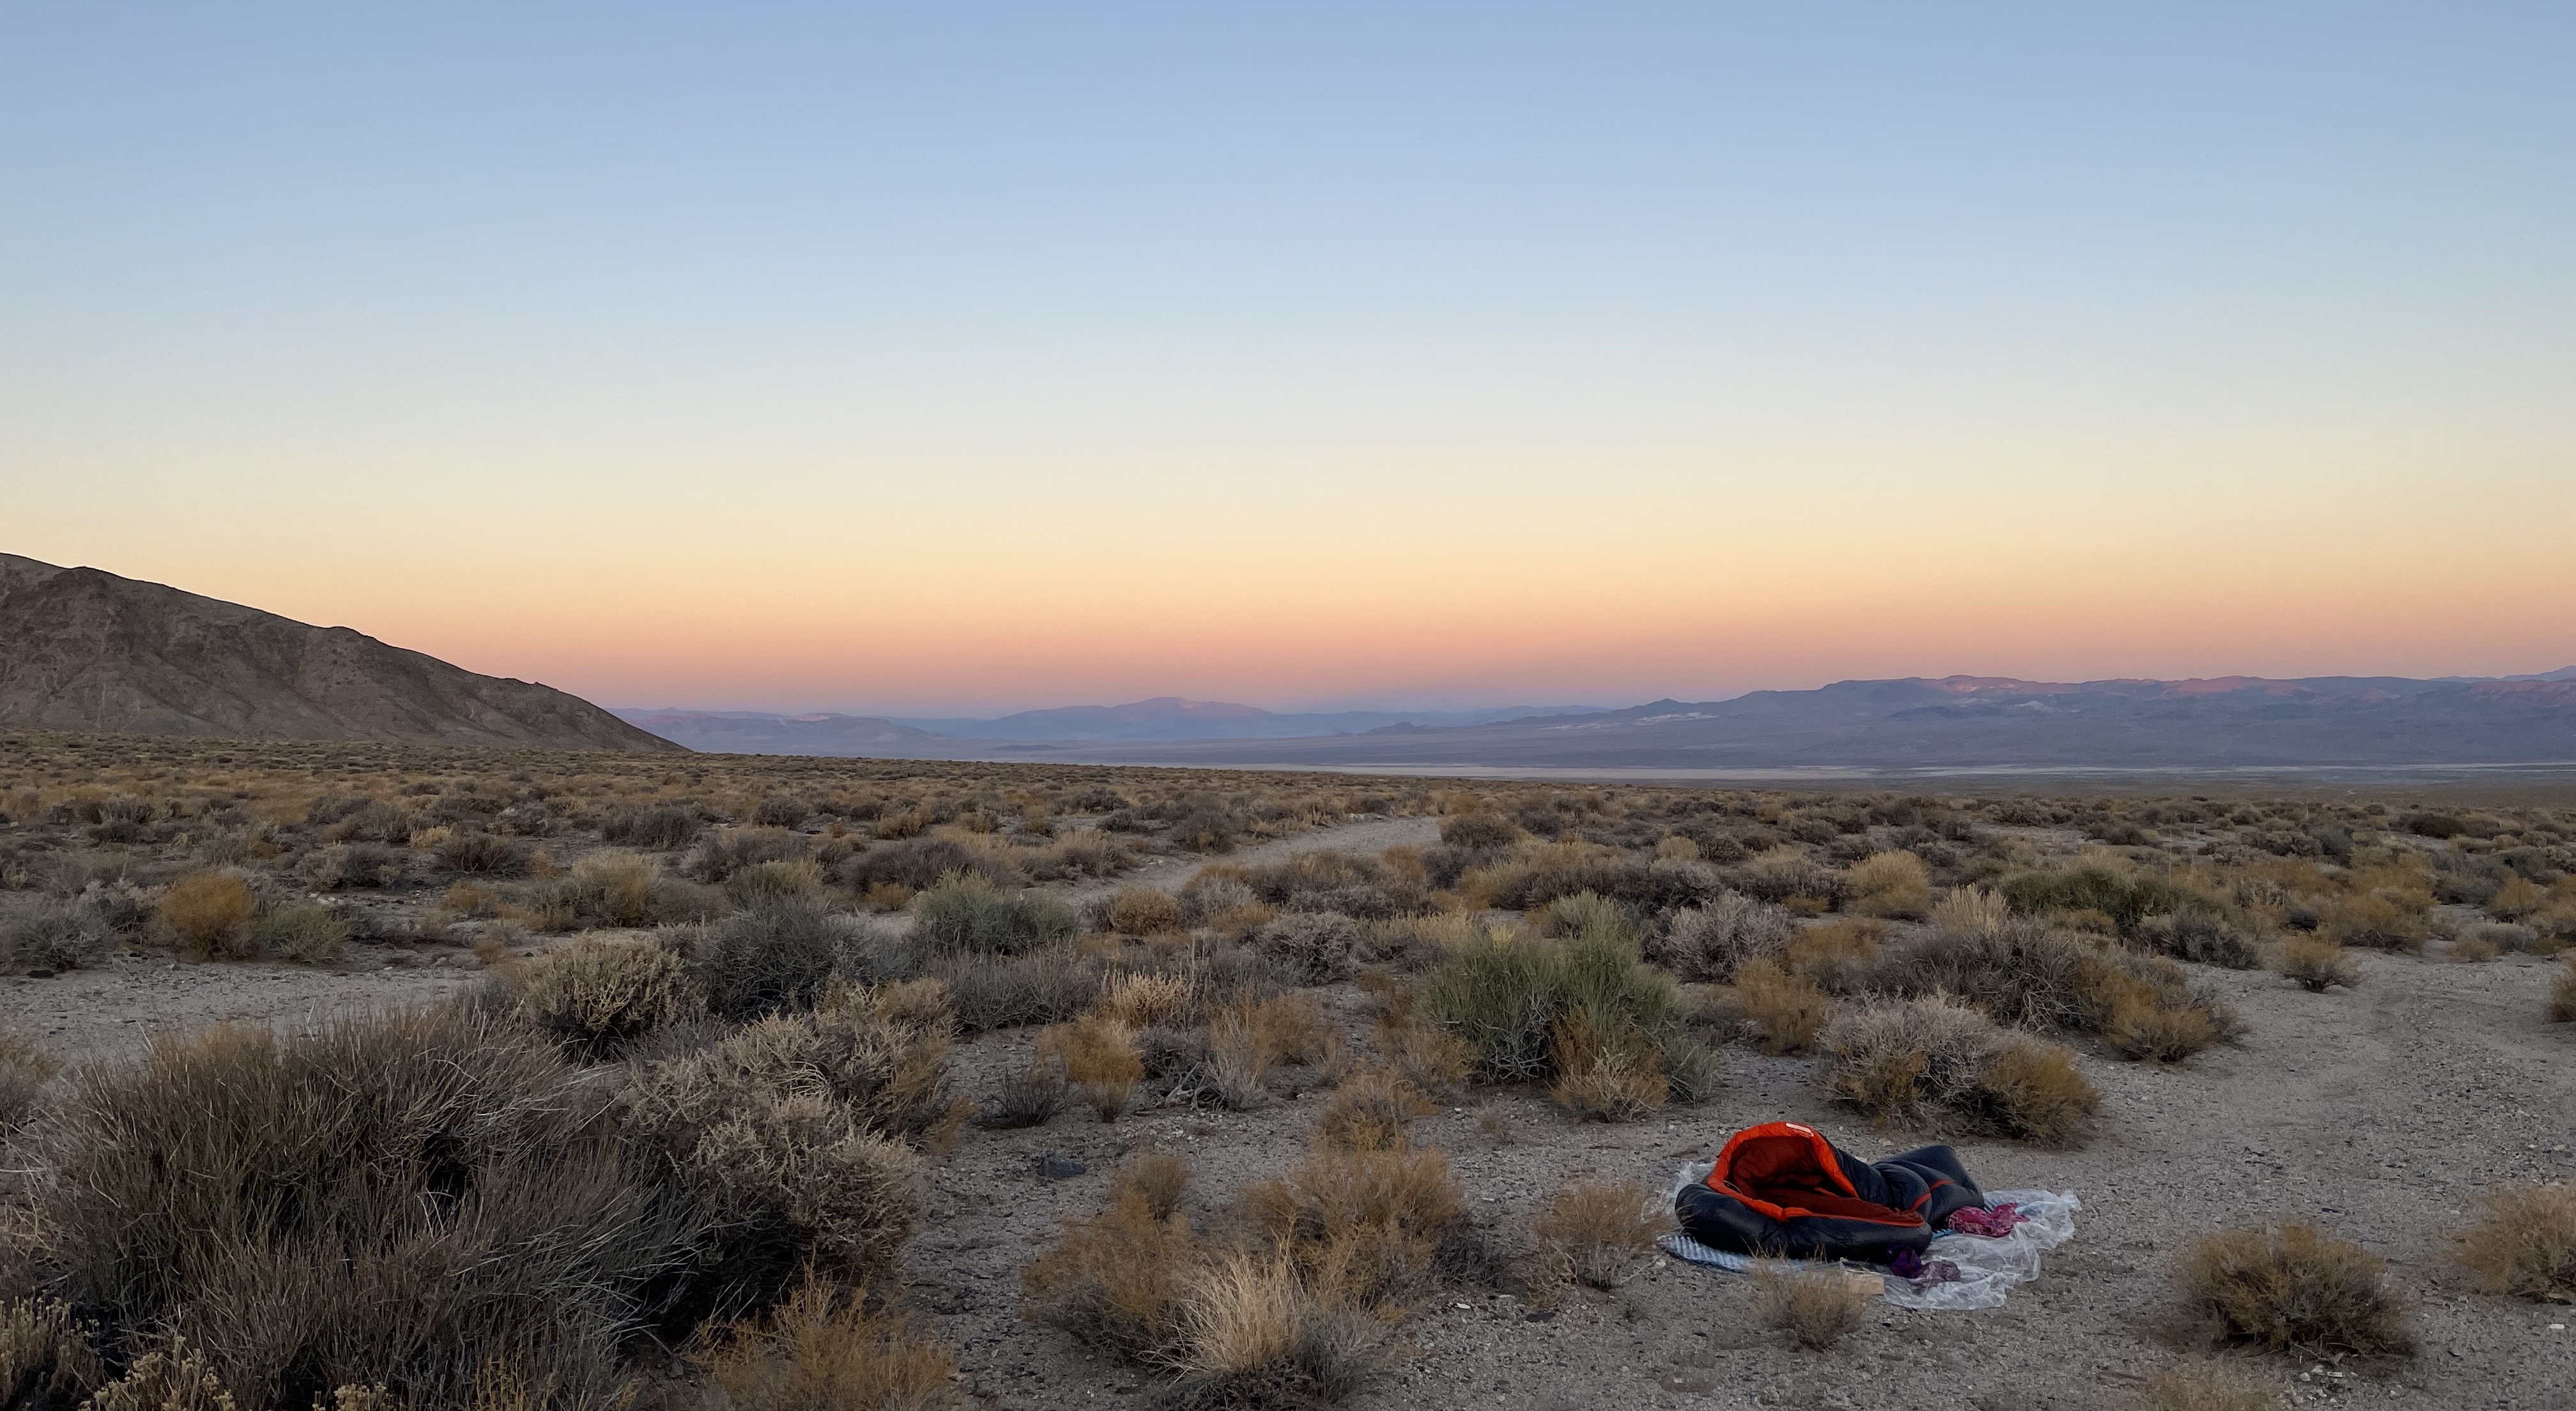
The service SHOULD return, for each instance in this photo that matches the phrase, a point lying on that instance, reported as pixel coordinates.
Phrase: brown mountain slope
(82, 649)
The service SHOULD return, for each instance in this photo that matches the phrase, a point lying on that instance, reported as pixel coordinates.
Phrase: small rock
(1053, 1166)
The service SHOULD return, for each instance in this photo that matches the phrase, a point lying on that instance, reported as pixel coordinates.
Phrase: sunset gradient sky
(975, 357)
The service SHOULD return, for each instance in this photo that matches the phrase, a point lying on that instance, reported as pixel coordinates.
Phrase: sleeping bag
(1782, 1190)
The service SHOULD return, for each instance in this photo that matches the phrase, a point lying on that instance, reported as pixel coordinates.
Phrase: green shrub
(774, 956)
(307, 932)
(49, 933)
(2126, 900)
(965, 914)
(1525, 1005)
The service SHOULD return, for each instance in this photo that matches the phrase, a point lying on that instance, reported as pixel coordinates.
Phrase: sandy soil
(2381, 1112)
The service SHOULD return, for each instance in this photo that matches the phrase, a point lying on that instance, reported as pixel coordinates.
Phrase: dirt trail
(1368, 836)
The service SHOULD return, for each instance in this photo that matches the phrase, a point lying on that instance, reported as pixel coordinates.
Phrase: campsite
(1237, 1030)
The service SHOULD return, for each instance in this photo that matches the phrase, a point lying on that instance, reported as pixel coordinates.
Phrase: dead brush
(598, 994)
(1836, 956)
(1248, 1039)
(1784, 1011)
(1362, 1227)
(1117, 1275)
(1612, 1078)
(1145, 999)
(2524, 1243)
(1891, 884)
(48, 1356)
(1593, 1232)
(2138, 1022)
(1368, 1111)
(1100, 1058)
(2292, 1288)
(1029, 1097)
(1939, 1059)
(1817, 1307)
(2317, 964)
(824, 1349)
(209, 914)
(1142, 911)
(24, 1071)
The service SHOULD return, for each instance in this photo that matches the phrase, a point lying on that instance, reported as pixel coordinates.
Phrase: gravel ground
(2380, 1112)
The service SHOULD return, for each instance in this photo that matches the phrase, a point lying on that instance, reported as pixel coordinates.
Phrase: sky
(976, 357)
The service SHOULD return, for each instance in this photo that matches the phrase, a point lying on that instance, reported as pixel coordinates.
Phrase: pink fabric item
(1993, 1223)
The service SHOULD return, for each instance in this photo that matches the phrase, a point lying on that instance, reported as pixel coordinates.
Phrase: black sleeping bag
(1782, 1190)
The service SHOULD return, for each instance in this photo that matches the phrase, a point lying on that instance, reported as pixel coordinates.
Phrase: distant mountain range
(83, 649)
(1957, 722)
(1161, 719)
(1967, 722)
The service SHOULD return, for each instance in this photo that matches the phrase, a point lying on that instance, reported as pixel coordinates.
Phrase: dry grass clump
(1367, 1112)
(1362, 1227)
(1593, 1232)
(1142, 999)
(1817, 1307)
(1838, 957)
(2524, 1242)
(1249, 1038)
(46, 1355)
(1142, 911)
(1252, 1334)
(598, 995)
(1711, 941)
(1970, 911)
(2208, 1386)
(2292, 1288)
(210, 914)
(1414, 1045)
(2376, 921)
(1314, 946)
(2317, 964)
(824, 1349)
(1785, 1012)
(395, 1198)
(1942, 1060)
(2562, 992)
(24, 1071)
(1100, 1057)
(1891, 884)
(1116, 1276)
